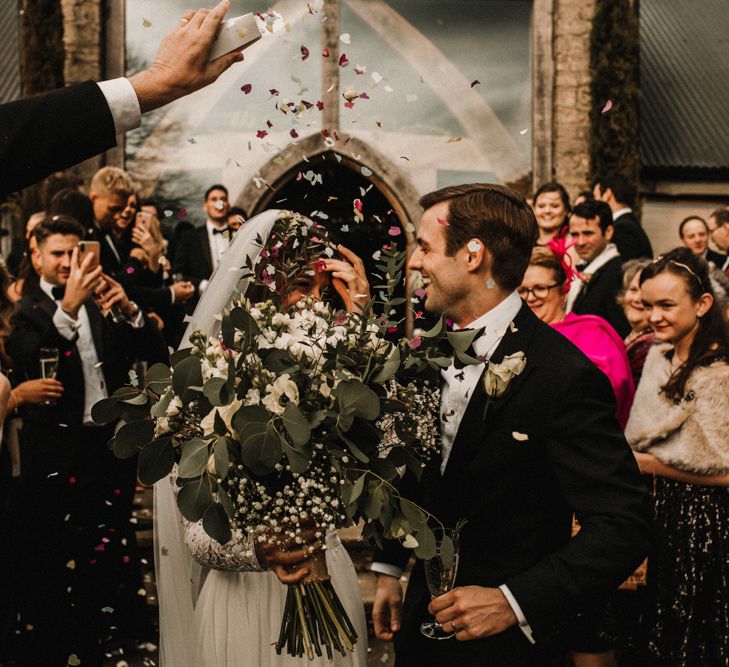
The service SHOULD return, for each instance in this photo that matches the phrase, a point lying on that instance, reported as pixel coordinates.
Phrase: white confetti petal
(519, 437)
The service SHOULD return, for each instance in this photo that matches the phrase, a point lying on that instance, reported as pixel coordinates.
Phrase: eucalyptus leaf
(298, 460)
(447, 552)
(373, 502)
(415, 516)
(279, 361)
(436, 331)
(158, 377)
(357, 488)
(462, 340)
(296, 425)
(216, 523)
(131, 437)
(139, 399)
(187, 373)
(389, 368)
(156, 460)
(194, 458)
(215, 390)
(106, 410)
(243, 320)
(354, 398)
(260, 443)
(426, 543)
(221, 456)
(466, 358)
(226, 501)
(194, 498)
(159, 409)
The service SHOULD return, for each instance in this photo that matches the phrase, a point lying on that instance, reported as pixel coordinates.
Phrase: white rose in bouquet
(283, 386)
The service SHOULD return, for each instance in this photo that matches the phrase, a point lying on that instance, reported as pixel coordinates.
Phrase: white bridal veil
(179, 577)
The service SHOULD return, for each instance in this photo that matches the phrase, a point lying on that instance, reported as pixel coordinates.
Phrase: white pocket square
(520, 437)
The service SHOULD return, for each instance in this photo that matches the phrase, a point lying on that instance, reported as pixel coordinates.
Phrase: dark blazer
(548, 448)
(598, 296)
(631, 239)
(192, 256)
(45, 133)
(717, 258)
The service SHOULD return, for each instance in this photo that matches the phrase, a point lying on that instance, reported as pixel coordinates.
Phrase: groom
(547, 448)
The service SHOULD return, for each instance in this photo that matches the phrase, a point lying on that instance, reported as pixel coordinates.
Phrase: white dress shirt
(218, 243)
(123, 104)
(456, 390)
(621, 211)
(94, 383)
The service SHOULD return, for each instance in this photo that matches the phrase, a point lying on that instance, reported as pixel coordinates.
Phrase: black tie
(582, 266)
(221, 230)
(58, 292)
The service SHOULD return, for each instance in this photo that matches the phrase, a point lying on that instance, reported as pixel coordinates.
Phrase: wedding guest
(629, 236)
(678, 429)
(61, 128)
(582, 197)
(552, 209)
(543, 287)
(236, 217)
(600, 273)
(720, 285)
(76, 495)
(74, 204)
(694, 234)
(640, 339)
(719, 231)
(201, 248)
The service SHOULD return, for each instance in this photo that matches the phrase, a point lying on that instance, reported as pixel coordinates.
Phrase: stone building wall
(571, 93)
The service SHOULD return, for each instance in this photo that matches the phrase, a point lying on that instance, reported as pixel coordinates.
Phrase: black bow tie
(58, 292)
(582, 266)
(221, 230)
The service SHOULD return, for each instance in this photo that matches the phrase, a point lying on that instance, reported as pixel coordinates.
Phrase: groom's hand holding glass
(473, 612)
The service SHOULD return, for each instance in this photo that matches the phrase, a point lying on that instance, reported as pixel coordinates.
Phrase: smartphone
(89, 247)
(235, 34)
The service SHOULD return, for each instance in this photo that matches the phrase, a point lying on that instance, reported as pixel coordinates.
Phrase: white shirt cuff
(123, 104)
(202, 286)
(138, 321)
(172, 294)
(65, 324)
(386, 568)
(523, 624)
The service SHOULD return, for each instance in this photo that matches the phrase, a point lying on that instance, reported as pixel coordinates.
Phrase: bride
(222, 605)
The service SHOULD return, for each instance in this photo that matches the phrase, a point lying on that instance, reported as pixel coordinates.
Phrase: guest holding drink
(678, 429)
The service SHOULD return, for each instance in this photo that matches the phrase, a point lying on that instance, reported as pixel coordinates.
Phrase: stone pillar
(571, 109)
(83, 44)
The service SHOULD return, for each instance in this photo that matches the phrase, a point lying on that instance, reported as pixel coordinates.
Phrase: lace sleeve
(238, 554)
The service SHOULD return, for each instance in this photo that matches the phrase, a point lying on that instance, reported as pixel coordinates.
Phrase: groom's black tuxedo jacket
(52, 131)
(548, 448)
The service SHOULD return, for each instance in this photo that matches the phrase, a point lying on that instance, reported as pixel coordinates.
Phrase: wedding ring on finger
(453, 626)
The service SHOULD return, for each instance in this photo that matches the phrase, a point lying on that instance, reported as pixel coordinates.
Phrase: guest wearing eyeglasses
(544, 288)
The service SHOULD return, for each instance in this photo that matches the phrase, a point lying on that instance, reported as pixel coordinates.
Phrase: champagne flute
(49, 365)
(440, 575)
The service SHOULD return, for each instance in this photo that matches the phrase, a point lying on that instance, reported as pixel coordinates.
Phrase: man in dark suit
(516, 465)
(719, 234)
(77, 496)
(629, 236)
(201, 248)
(56, 130)
(601, 271)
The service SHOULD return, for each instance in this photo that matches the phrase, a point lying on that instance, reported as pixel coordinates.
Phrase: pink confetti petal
(304, 53)
(445, 223)
(415, 343)
(261, 133)
(364, 96)
(475, 82)
(420, 292)
(325, 53)
(394, 231)
(607, 107)
(273, 92)
(343, 62)
(320, 105)
(247, 88)
(294, 134)
(349, 105)
(182, 213)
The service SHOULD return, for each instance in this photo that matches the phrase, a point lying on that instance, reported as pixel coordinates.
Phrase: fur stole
(693, 434)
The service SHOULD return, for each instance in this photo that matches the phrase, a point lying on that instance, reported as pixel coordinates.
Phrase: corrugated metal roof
(9, 53)
(684, 85)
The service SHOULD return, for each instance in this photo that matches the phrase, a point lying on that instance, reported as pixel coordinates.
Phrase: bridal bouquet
(294, 418)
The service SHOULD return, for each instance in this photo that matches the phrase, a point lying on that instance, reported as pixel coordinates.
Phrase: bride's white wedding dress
(219, 609)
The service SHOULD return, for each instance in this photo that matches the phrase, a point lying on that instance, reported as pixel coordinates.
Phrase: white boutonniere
(498, 377)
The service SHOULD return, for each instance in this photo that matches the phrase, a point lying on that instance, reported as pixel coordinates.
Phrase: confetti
(345, 38)
(475, 82)
(389, 89)
(519, 437)
(107, 610)
(416, 342)
(304, 53)
(325, 53)
(261, 134)
(420, 292)
(73, 660)
(247, 88)
(445, 223)
(320, 105)
(360, 69)
(607, 107)
(345, 228)
(273, 91)
(192, 140)
(294, 134)
(410, 98)
(454, 140)
(524, 131)
(366, 172)
(343, 62)
(404, 157)
(394, 231)
(376, 77)
(71, 565)
(474, 246)
(146, 23)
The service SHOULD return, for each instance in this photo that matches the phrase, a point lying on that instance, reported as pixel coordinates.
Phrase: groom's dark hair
(497, 216)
